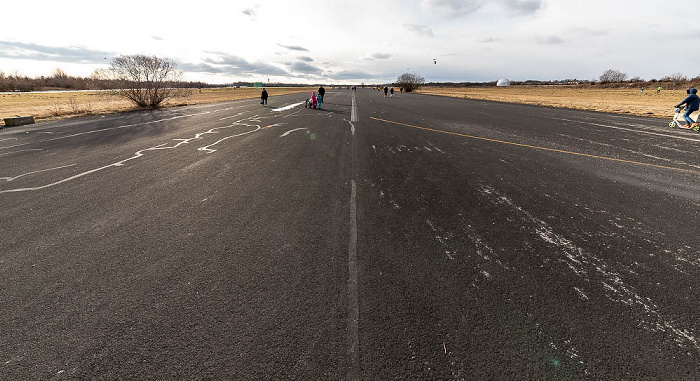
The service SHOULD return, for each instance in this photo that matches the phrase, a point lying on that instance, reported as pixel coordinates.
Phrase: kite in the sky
(434, 61)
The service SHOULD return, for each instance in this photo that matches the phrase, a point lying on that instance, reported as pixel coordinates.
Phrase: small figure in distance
(692, 104)
(263, 97)
(386, 90)
(392, 92)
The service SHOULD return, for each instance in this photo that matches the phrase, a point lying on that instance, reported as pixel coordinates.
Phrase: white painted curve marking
(290, 131)
(140, 153)
(8, 179)
(288, 107)
(209, 150)
(107, 129)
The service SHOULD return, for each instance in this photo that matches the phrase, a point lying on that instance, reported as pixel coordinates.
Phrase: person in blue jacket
(692, 104)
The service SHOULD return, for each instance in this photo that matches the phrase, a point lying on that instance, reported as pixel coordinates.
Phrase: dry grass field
(67, 104)
(620, 101)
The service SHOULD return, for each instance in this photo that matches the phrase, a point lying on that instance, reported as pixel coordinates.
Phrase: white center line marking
(353, 305)
(353, 111)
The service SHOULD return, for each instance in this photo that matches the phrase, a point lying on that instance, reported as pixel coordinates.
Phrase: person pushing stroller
(692, 104)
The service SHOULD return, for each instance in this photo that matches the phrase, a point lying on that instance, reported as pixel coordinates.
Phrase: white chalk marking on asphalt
(139, 154)
(352, 128)
(209, 150)
(107, 129)
(8, 179)
(2, 140)
(353, 303)
(353, 111)
(288, 107)
(288, 132)
(232, 116)
(24, 150)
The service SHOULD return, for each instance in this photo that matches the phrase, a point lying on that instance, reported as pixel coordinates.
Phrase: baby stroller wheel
(696, 128)
(673, 124)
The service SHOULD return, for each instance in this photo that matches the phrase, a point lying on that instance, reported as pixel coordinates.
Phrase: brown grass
(620, 101)
(68, 104)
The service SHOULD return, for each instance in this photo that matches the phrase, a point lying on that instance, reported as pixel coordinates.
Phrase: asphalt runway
(413, 237)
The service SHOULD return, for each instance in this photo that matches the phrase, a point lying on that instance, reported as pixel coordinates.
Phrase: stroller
(675, 122)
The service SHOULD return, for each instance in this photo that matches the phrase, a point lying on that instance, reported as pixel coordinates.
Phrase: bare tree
(611, 75)
(410, 82)
(147, 81)
(675, 77)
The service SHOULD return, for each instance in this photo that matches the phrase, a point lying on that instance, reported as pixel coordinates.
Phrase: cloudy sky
(354, 41)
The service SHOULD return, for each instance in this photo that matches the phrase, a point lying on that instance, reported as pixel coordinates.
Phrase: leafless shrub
(56, 110)
(73, 104)
(147, 80)
(611, 75)
(410, 81)
(675, 77)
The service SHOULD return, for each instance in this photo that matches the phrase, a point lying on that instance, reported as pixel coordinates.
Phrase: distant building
(503, 82)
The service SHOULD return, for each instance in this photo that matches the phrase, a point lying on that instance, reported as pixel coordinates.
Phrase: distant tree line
(59, 80)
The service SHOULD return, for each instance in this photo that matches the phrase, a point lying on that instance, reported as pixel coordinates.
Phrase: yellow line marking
(537, 147)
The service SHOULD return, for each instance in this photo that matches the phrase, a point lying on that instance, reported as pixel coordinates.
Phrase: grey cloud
(452, 8)
(248, 12)
(489, 40)
(297, 48)
(201, 68)
(551, 40)
(381, 56)
(73, 54)
(224, 63)
(157, 38)
(306, 58)
(522, 7)
(348, 74)
(420, 30)
(303, 67)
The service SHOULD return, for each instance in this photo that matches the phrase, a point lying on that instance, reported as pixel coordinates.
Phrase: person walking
(692, 104)
(263, 97)
(321, 94)
(386, 91)
(392, 92)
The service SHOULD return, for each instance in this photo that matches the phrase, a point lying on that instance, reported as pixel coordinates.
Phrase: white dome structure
(503, 82)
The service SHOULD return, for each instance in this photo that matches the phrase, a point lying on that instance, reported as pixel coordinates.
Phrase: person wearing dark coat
(692, 104)
(263, 97)
(321, 94)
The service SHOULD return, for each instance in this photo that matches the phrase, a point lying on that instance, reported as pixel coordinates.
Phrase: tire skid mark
(586, 265)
